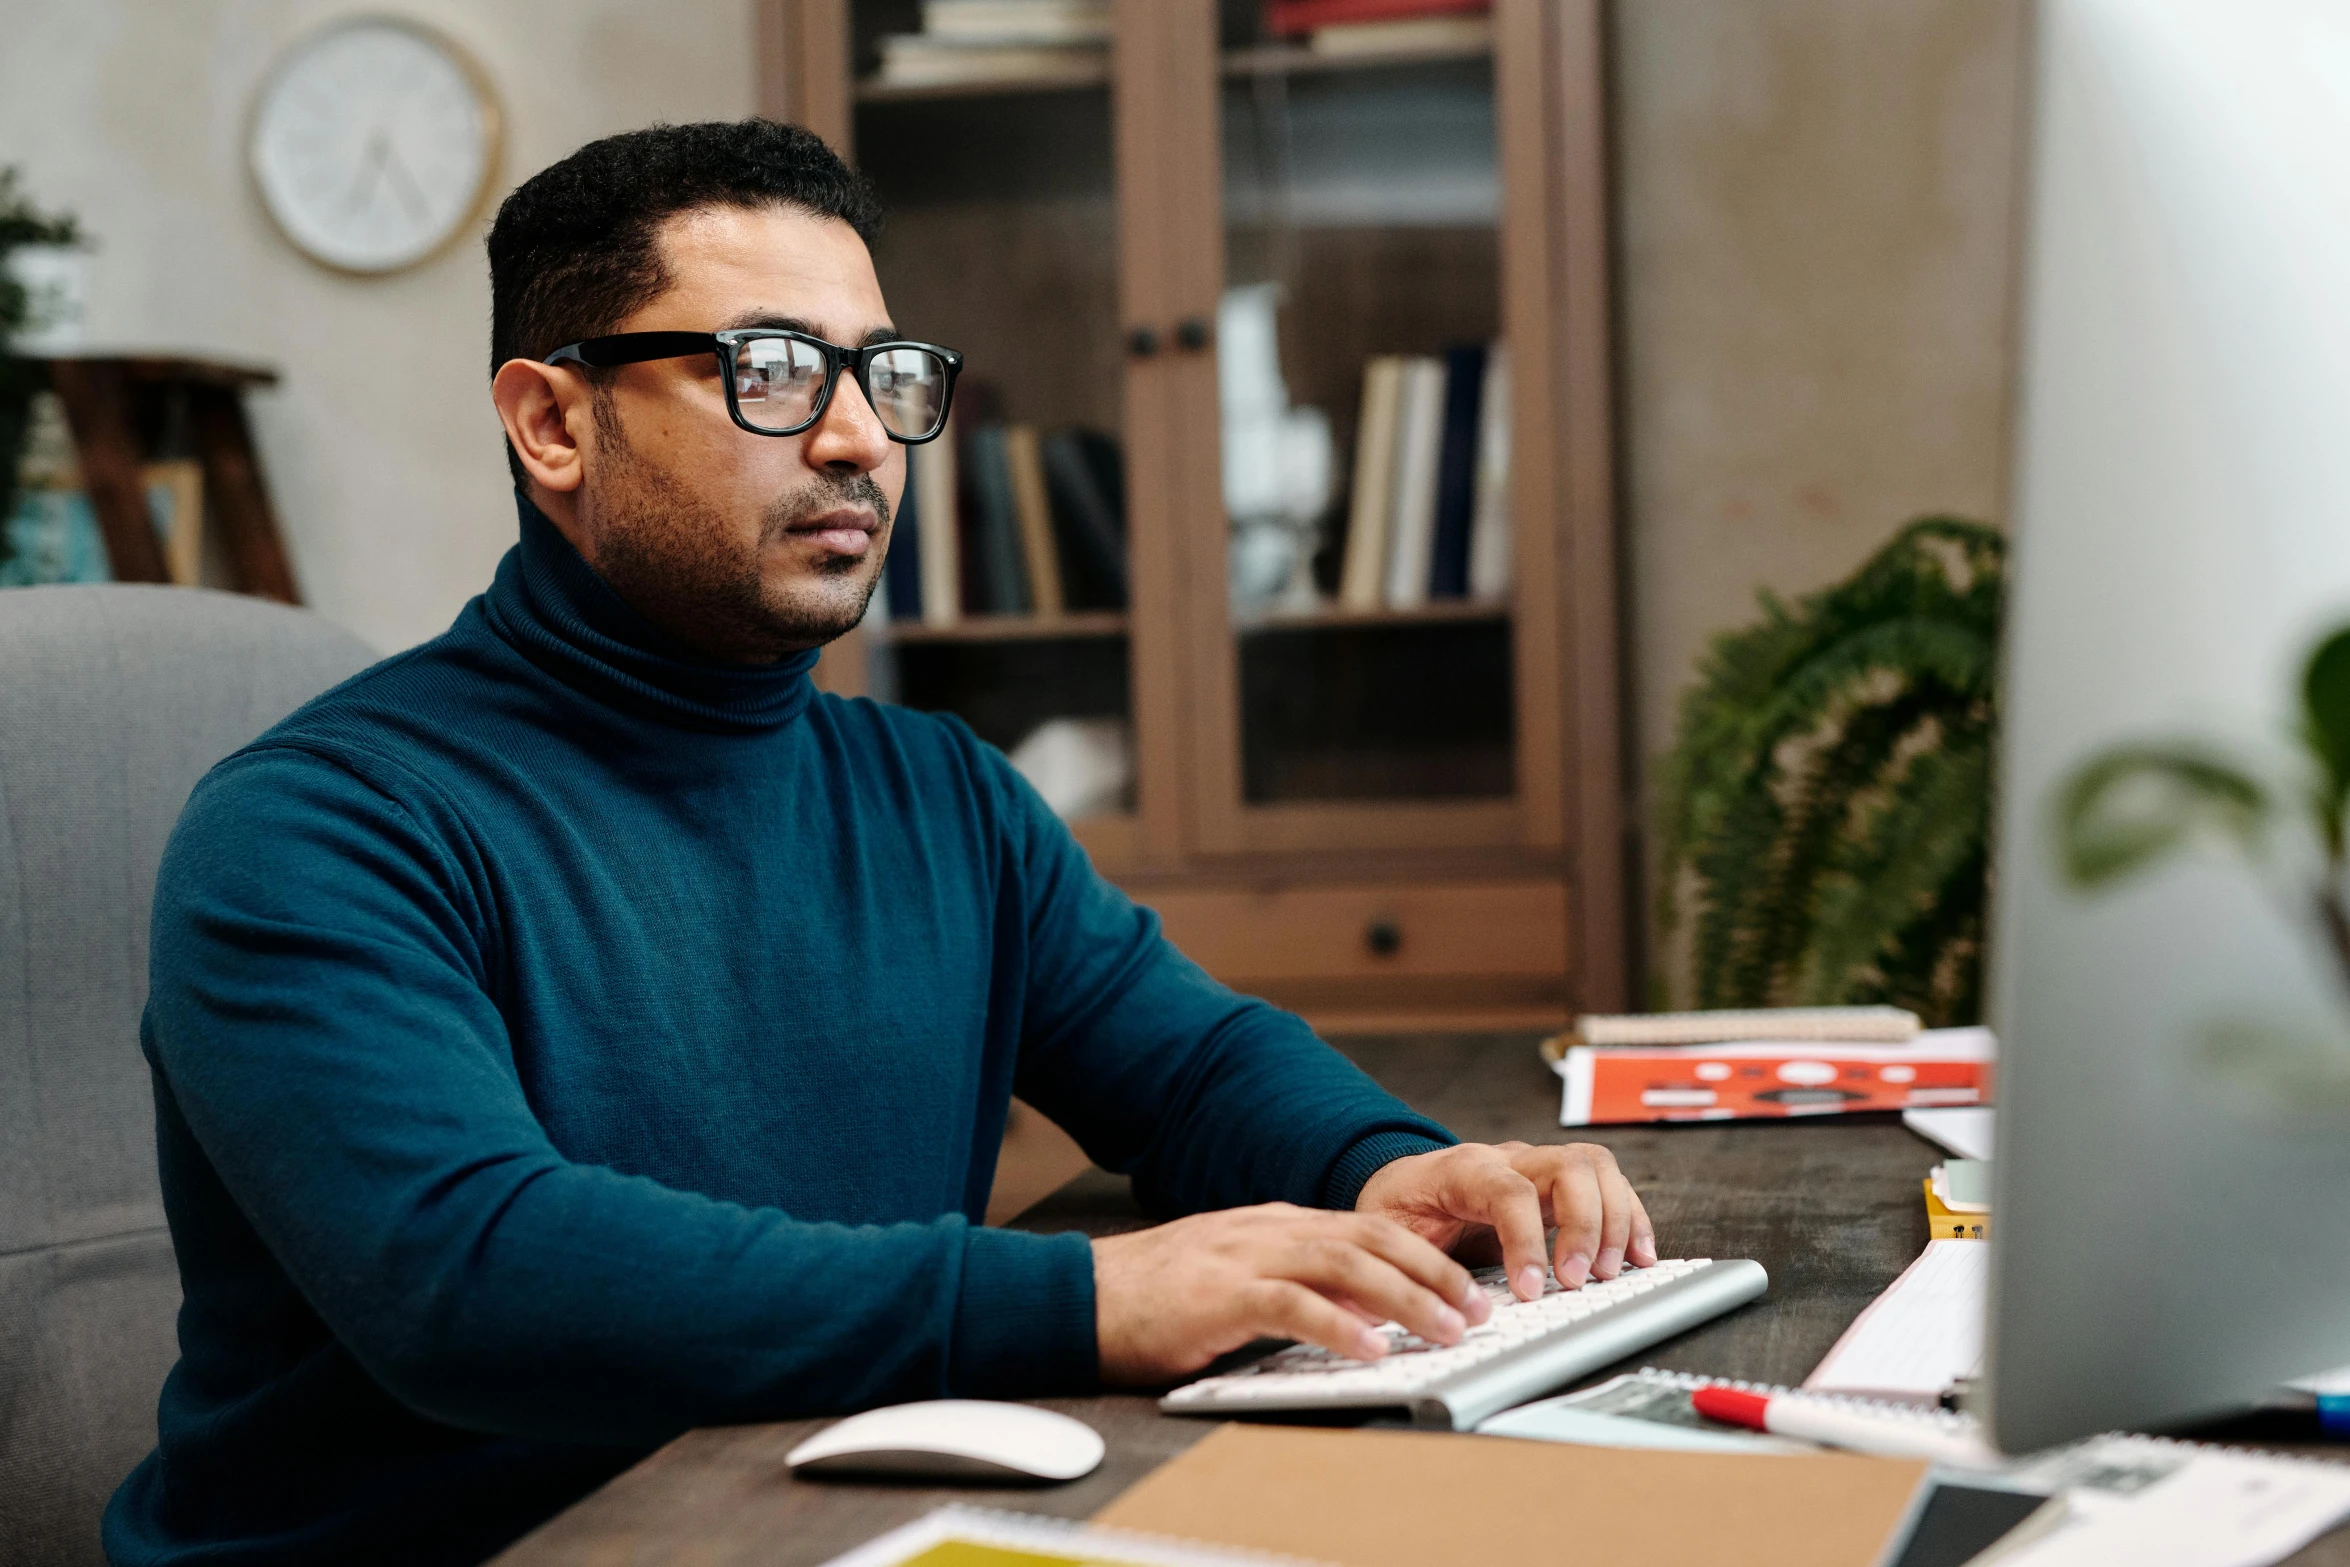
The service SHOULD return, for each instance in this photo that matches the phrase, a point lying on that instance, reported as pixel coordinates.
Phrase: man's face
(746, 547)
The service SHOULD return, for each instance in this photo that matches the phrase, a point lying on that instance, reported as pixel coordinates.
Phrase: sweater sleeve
(1206, 1098)
(321, 1018)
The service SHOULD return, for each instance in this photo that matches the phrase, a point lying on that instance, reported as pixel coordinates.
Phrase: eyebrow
(749, 318)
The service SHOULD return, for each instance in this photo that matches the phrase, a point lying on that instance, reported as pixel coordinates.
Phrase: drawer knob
(1143, 341)
(1383, 937)
(1192, 333)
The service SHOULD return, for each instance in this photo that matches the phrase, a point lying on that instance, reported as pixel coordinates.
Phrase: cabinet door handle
(1193, 333)
(1383, 937)
(1143, 341)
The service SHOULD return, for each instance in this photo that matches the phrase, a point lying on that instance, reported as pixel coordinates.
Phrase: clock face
(373, 142)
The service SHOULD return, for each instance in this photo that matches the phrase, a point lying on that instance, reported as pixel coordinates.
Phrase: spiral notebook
(1651, 1408)
(2113, 1498)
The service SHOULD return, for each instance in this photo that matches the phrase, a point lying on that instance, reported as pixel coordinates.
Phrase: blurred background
(1377, 416)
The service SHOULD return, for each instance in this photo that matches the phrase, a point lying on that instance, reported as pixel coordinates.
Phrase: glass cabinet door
(1009, 587)
(1367, 681)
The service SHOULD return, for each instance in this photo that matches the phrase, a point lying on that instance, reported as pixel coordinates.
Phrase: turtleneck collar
(549, 603)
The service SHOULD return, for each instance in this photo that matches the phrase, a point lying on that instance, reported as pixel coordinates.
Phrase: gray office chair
(113, 702)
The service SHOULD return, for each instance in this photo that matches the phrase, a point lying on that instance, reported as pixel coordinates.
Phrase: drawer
(1423, 931)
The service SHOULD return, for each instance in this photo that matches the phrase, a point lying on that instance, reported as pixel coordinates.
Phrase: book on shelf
(919, 60)
(1044, 527)
(1419, 438)
(1363, 569)
(1299, 18)
(1489, 524)
(1000, 572)
(1021, 21)
(1040, 553)
(1429, 515)
(1351, 40)
(1456, 471)
(899, 596)
(1085, 482)
(931, 474)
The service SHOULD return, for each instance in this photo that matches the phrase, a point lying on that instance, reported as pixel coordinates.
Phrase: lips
(844, 532)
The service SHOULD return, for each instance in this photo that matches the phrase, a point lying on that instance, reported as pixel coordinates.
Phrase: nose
(849, 438)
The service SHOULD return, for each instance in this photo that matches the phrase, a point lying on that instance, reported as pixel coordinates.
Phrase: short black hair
(573, 251)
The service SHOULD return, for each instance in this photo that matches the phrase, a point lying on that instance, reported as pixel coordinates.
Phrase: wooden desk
(1831, 1209)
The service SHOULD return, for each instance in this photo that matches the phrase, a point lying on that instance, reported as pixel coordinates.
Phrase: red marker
(1892, 1433)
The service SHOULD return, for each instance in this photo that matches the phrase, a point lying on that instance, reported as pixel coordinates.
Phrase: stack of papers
(979, 41)
(1773, 1078)
(1919, 1338)
(1963, 1129)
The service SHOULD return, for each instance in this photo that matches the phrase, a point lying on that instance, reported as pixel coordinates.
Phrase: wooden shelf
(1298, 60)
(1263, 60)
(1087, 79)
(1082, 624)
(1441, 612)
(164, 369)
(110, 399)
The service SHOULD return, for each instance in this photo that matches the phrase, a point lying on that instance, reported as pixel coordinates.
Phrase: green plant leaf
(1796, 727)
(1899, 874)
(2136, 804)
(2325, 716)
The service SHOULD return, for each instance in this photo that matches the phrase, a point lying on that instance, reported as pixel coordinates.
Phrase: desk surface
(1832, 1210)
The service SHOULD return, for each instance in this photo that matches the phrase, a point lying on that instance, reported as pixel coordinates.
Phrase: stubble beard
(676, 561)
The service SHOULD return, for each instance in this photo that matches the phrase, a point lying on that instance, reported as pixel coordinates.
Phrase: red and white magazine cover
(1769, 1078)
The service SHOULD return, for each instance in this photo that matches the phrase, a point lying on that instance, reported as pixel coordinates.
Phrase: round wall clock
(373, 142)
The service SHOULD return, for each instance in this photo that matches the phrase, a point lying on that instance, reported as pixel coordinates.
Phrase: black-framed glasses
(778, 382)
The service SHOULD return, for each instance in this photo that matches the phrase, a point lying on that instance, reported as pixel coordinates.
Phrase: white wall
(381, 449)
(1816, 224)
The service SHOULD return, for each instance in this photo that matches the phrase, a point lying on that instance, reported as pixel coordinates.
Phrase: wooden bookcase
(1305, 817)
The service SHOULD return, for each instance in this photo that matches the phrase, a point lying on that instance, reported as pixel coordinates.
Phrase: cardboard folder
(1415, 1499)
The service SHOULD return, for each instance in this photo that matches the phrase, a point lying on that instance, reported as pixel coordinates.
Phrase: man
(577, 1029)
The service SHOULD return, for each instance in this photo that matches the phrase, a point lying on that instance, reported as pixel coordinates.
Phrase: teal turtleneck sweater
(560, 1041)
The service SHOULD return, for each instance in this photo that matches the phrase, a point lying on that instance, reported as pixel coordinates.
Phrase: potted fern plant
(1825, 810)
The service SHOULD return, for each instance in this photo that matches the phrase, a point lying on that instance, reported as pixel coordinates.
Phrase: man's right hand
(1169, 1299)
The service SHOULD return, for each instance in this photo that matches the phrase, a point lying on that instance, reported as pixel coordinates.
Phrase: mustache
(829, 493)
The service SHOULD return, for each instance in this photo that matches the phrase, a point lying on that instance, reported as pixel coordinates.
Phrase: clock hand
(404, 185)
(370, 165)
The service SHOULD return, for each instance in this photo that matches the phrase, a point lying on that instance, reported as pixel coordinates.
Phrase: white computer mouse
(953, 1439)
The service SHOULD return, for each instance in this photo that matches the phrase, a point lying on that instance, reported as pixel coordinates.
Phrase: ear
(548, 418)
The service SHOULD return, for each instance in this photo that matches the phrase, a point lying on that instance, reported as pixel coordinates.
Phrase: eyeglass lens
(779, 379)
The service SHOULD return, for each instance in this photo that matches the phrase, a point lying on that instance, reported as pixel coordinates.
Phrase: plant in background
(1826, 804)
(21, 224)
(2135, 805)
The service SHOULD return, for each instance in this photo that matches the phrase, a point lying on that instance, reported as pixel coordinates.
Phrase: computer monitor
(2169, 1237)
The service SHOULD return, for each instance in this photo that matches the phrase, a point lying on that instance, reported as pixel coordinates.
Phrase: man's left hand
(1511, 1193)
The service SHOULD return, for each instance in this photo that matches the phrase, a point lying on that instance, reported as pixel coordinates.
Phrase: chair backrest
(113, 702)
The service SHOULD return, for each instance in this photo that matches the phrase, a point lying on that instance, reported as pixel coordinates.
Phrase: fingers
(1615, 1227)
(1283, 1309)
(1342, 1264)
(1425, 1264)
(1643, 1252)
(1486, 1190)
(1576, 1204)
(1601, 1222)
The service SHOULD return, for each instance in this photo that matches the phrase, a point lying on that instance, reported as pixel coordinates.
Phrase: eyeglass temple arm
(632, 348)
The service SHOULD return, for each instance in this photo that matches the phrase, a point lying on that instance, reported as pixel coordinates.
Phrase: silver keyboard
(1524, 1350)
